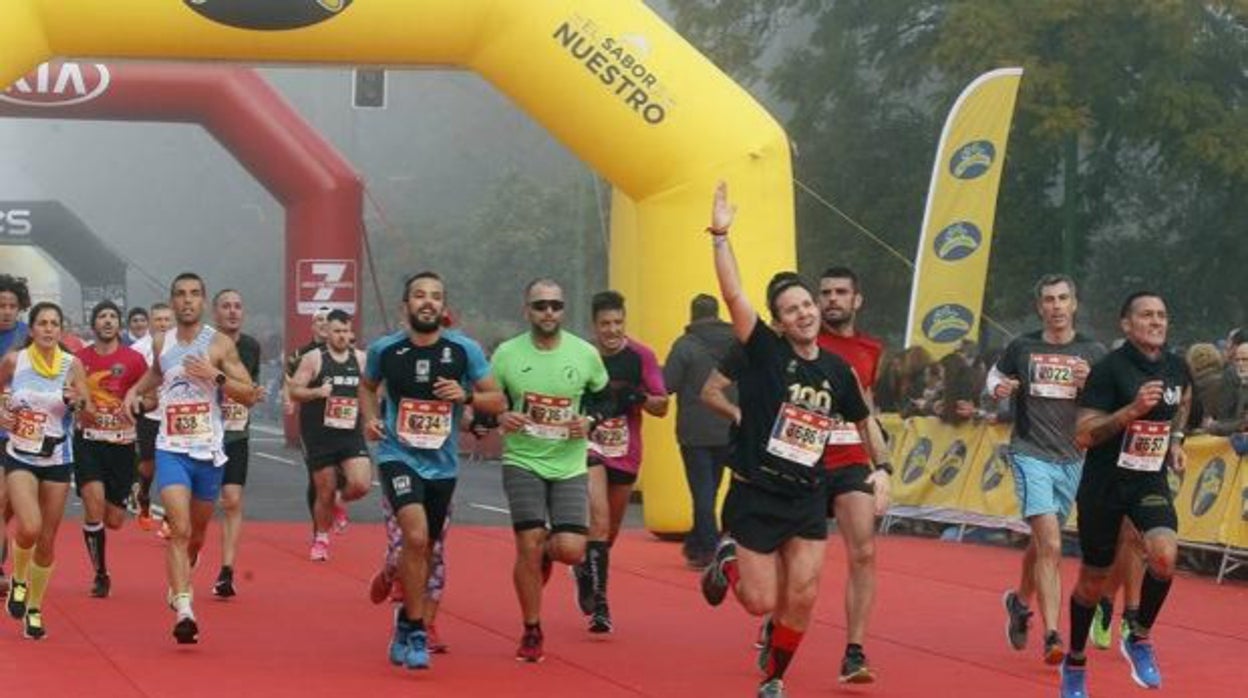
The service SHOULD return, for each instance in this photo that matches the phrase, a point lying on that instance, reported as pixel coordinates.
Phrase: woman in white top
(48, 385)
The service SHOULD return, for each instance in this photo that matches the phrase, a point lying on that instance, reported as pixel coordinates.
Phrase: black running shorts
(848, 478)
(239, 455)
(761, 520)
(1104, 500)
(403, 487)
(112, 465)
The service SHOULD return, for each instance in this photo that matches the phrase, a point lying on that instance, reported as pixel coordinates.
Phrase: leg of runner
(586, 574)
(176, 498)
(617, 504)
(529, 575)
(1162, 549)
(382, 583)
(855, 518)
(357, 478)
(1126, 575)
(434, 587)
(325, 480)
(231, 531)
(92, 494)
(1045, 550)
(413, 571)
(802, 561)
(4, 528)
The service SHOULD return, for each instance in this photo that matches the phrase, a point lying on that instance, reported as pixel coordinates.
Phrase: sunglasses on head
(543, 306)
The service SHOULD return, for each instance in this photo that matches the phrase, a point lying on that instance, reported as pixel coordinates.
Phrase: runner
(1044, 372)
(48, 386)
(196, 367)
(137, 324)
(549, 376)
(149, 426)
(326, 386)
(228, 317)
(429, 376)
(104, 462)
(614, 449)
(794, 399)
(320, 336)
(1131, 415)
(14, 300)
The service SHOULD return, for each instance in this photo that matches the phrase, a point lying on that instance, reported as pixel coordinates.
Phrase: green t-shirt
(547, 386)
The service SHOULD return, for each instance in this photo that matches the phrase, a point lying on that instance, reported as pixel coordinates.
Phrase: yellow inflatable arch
(608, 78)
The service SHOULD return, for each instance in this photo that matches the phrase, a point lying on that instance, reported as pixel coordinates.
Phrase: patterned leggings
(437, 565)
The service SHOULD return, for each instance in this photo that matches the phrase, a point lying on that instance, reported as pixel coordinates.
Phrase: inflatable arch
(320, 191)
(608, 78)
(52, 227)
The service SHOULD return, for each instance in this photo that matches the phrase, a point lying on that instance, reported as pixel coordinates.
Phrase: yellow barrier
(965, 468)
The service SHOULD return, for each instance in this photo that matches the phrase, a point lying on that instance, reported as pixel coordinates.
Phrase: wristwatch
(886, 467)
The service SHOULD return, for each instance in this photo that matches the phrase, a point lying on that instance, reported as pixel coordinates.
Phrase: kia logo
(59, 85)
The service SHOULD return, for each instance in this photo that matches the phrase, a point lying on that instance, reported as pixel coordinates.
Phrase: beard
(422, 327)
(543, 332)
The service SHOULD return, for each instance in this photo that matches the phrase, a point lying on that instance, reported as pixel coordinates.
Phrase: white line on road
(487, 507)
(279, 459)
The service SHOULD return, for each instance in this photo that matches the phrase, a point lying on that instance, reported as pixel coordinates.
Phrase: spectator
(956, 402)
(1237, 419)
(1206, 364)
(915, 363)
(704, 440)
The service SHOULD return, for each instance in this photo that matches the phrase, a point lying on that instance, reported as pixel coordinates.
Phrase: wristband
(717, 232)
(886, 467)
(1177, 438)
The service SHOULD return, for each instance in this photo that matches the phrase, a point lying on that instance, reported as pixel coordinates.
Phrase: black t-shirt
(1045, 403)
(314, 422)
(1112, 385)
(788, 404)
(292, 362)
(249, 354)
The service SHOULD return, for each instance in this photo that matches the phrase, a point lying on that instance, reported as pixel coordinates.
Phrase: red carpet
(306, 629)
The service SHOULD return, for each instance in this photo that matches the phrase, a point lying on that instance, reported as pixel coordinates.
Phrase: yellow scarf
(43, 368)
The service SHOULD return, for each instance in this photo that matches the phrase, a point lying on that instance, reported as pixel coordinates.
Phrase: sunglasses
(543, 306)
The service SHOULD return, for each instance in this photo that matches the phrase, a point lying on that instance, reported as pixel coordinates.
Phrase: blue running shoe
(401, 640)
(1143, 660)
(417, 656)
(1074, 680)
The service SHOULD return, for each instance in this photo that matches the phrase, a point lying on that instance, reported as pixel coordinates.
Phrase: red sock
(784, 642)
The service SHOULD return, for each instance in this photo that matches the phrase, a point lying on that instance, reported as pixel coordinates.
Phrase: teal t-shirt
(547, 386)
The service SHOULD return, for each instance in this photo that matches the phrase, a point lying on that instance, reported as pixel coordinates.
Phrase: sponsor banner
(1206, 488)
(989, 489)
(59, 84)
(951, 265)
(933, 463)
(1235, 516)
(325, 283)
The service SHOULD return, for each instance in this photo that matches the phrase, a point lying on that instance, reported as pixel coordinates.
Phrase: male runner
(320, 337)
(104, 457)
(1131, 416)
(1044, 371)
(196, 367)
(147, 427)
(794, 399)
(326, 386)
(614, 449)
(549, 376)
(136, 325)
(228, 317)
(429, 377)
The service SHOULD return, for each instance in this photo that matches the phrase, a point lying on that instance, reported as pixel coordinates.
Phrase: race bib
(610, 439)
(424, 423)
(341, 412)
(109, 426)
(28, 430)
(799, 435)
(234, 415)
(1053, 376)
(844, 434)
(1144, 446)
(548, 416)
(188, 423)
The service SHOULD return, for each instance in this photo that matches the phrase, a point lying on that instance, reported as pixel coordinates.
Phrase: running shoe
(1143, 661)
(146, 522)
(164, 531)
(320, 550)
(1018, 619)
(436, 645)
(1074, 680)
(1124, 629)
(32, 625)
(854, 668)
(185, 629)
(584, 588)
(530, 649)
(600, 620)
(341, 521)
(417, 656)
(1102, 634)
(379, 586)
(224, 587)
(101, 586)
(399, 641)
(714, 580)
(1054, 650)
(15, 603)
(772, 688)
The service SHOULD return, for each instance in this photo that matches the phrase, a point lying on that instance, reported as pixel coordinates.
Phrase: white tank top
(42, 422)
(190, 408)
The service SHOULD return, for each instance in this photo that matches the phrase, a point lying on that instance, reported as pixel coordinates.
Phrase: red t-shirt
(862, 352)
(110, 376)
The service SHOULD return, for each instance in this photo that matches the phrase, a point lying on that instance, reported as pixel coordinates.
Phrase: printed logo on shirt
(1173, 395)
(422, 370)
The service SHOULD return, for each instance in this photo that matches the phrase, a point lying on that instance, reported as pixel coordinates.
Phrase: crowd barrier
(960, 474)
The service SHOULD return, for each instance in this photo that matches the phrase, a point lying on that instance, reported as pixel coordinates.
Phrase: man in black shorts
(793, 397)
(104, 458)
(1131, 415)
(228, 316)
(326, 386)
(148, 425)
